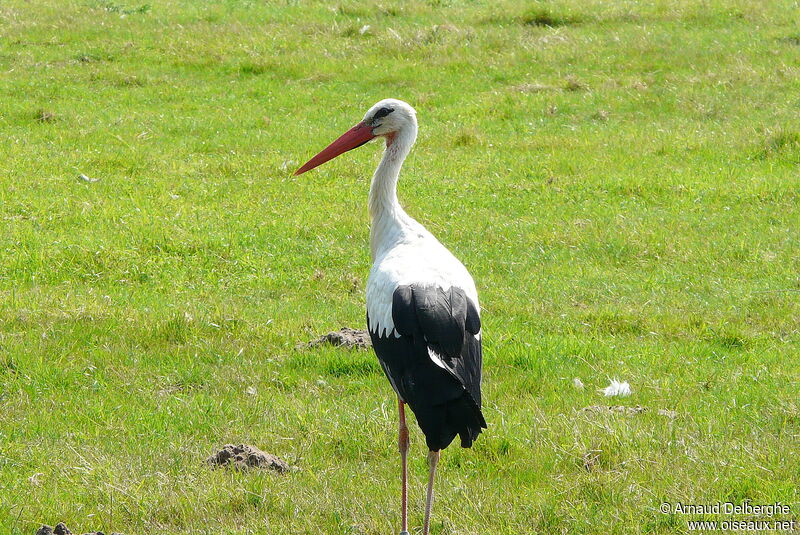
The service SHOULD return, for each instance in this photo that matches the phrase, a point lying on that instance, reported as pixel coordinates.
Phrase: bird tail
(460, 416)
(464, 416)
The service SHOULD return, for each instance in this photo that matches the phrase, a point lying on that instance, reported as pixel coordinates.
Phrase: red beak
(353, 138)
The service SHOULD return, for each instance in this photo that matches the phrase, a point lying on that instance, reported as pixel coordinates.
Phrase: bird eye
(383, 112)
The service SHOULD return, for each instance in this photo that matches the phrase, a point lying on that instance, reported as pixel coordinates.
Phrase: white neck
(389, 220)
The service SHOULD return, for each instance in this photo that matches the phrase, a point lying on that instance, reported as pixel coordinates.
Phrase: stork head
(388, 118)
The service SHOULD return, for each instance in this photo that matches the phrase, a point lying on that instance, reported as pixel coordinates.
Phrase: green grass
(621, 178)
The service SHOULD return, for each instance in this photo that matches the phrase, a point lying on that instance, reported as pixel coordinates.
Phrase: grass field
(621, 178)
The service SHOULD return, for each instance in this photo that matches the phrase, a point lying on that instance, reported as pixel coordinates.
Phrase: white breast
(425, 261)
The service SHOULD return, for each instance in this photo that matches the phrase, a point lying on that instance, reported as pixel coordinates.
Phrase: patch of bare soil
(243, 457)
(62, 529)
(621, 409)
(344, 337)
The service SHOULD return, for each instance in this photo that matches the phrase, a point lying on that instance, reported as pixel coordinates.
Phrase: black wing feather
(404, 313)
(445, 400)
(473, 320)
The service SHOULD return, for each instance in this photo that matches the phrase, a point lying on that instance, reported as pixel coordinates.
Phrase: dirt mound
(243, 457)
(344, 337)
(62, 529)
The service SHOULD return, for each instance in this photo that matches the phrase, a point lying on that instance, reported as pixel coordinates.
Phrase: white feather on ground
(617, 388)
(577, 383)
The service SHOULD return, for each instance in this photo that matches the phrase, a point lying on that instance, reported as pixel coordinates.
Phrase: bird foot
(403, 533)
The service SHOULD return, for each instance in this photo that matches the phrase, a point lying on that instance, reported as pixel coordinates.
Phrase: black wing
(434, 361)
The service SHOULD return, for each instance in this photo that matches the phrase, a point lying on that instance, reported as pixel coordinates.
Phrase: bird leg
(433, 460)
(403, 445)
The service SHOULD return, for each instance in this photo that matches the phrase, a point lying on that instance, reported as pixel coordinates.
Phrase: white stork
(422, 306)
